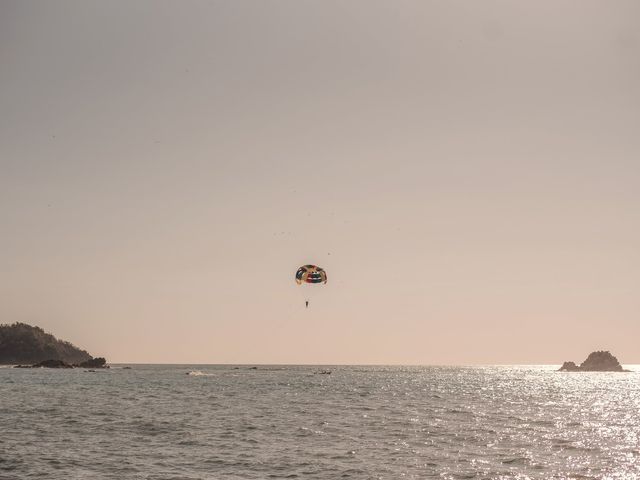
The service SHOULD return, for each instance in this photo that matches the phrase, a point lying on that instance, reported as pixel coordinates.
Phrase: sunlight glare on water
(226, 422)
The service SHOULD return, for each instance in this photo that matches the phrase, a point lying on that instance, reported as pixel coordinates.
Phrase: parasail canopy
(311, 274)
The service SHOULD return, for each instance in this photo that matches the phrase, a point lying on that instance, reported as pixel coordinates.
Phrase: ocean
(193, 422)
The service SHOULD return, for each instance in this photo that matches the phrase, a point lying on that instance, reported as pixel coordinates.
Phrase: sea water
(233, 422)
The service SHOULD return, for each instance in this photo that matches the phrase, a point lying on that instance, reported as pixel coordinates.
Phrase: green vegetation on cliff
(22, 343)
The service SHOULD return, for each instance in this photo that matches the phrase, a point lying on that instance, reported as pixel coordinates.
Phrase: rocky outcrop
(53, 363)
(47, 364)
(98, 362)
(569, 367)
(600, 361)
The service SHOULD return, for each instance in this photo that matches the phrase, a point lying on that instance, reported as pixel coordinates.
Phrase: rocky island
(600, 361)
(23, 344)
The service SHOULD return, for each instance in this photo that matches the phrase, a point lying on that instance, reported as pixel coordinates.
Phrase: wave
(198, 373)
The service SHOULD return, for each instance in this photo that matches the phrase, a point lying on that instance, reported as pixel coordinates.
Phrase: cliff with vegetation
(21, 343)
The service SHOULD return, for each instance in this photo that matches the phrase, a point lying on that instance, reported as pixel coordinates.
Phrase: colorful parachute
(311, 274)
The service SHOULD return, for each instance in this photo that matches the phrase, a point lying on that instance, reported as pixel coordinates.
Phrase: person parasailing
(310, 274)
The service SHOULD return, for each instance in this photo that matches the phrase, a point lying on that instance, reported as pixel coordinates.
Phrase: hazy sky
(468, 173)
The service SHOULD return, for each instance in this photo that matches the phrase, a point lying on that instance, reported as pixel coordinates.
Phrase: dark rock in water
(599, 361)
(98, 362)
(253, 368)
(55, 363)
(52, 364)
(569, 367)
(126, 368)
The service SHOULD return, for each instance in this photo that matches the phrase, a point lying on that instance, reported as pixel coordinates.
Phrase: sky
(467, 173)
